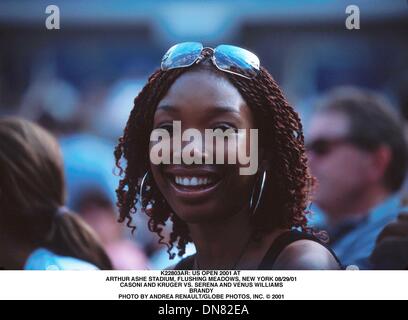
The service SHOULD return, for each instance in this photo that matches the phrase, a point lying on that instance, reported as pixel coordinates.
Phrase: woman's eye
(167, 127)
(225, 127)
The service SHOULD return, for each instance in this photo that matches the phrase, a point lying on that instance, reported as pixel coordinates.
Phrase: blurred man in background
(358, 154)
(391, 250)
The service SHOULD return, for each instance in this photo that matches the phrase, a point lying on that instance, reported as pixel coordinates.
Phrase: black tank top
(278, 245)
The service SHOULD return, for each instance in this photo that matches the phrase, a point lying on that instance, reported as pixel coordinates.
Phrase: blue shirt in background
(354, 240)
(43, 259)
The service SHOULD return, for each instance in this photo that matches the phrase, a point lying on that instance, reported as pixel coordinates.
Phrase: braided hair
(285, 196)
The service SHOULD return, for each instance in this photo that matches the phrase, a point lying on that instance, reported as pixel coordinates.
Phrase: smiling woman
(235, 221)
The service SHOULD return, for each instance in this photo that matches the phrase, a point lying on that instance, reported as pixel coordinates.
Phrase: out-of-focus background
(80, 81)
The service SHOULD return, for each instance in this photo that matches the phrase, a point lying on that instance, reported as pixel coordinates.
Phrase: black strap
(278, 245)
(186, 263)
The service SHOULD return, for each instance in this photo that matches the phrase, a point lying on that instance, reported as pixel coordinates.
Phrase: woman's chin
(196, 215)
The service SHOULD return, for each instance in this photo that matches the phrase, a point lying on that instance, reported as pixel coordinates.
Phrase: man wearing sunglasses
(357, 152)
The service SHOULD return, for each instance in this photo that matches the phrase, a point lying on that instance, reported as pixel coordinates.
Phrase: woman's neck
(220, 244)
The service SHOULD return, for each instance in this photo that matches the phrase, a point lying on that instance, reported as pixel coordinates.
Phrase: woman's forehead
(202, 88)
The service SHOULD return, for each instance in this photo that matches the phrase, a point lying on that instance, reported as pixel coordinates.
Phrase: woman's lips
(194, 181)
(188, 183)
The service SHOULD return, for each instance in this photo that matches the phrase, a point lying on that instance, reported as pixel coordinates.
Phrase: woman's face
(198, 193)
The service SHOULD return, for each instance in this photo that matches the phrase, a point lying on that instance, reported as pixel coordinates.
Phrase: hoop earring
(141, 189)
(258, 200)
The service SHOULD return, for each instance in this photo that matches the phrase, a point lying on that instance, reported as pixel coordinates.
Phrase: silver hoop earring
(141, 189)
(261, 188)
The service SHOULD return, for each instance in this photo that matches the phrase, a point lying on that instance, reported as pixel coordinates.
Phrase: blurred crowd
(87, 125)
(350, 90)
(356, 146)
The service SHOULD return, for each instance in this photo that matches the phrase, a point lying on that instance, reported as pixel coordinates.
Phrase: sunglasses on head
(323, 146)
(226, 58)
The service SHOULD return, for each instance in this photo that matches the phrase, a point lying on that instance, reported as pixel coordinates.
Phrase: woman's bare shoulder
(172, 267)
(306, 255)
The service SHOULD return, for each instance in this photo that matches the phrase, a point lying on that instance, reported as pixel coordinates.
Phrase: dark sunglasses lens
(236, 60)
(320, 147)
(181, 55)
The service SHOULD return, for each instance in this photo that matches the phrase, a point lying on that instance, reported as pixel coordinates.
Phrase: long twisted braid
(280, 132)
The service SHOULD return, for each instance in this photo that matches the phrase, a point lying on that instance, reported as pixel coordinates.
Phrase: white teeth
(192, 181)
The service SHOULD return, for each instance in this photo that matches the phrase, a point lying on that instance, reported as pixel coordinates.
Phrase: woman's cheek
(247, 151)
